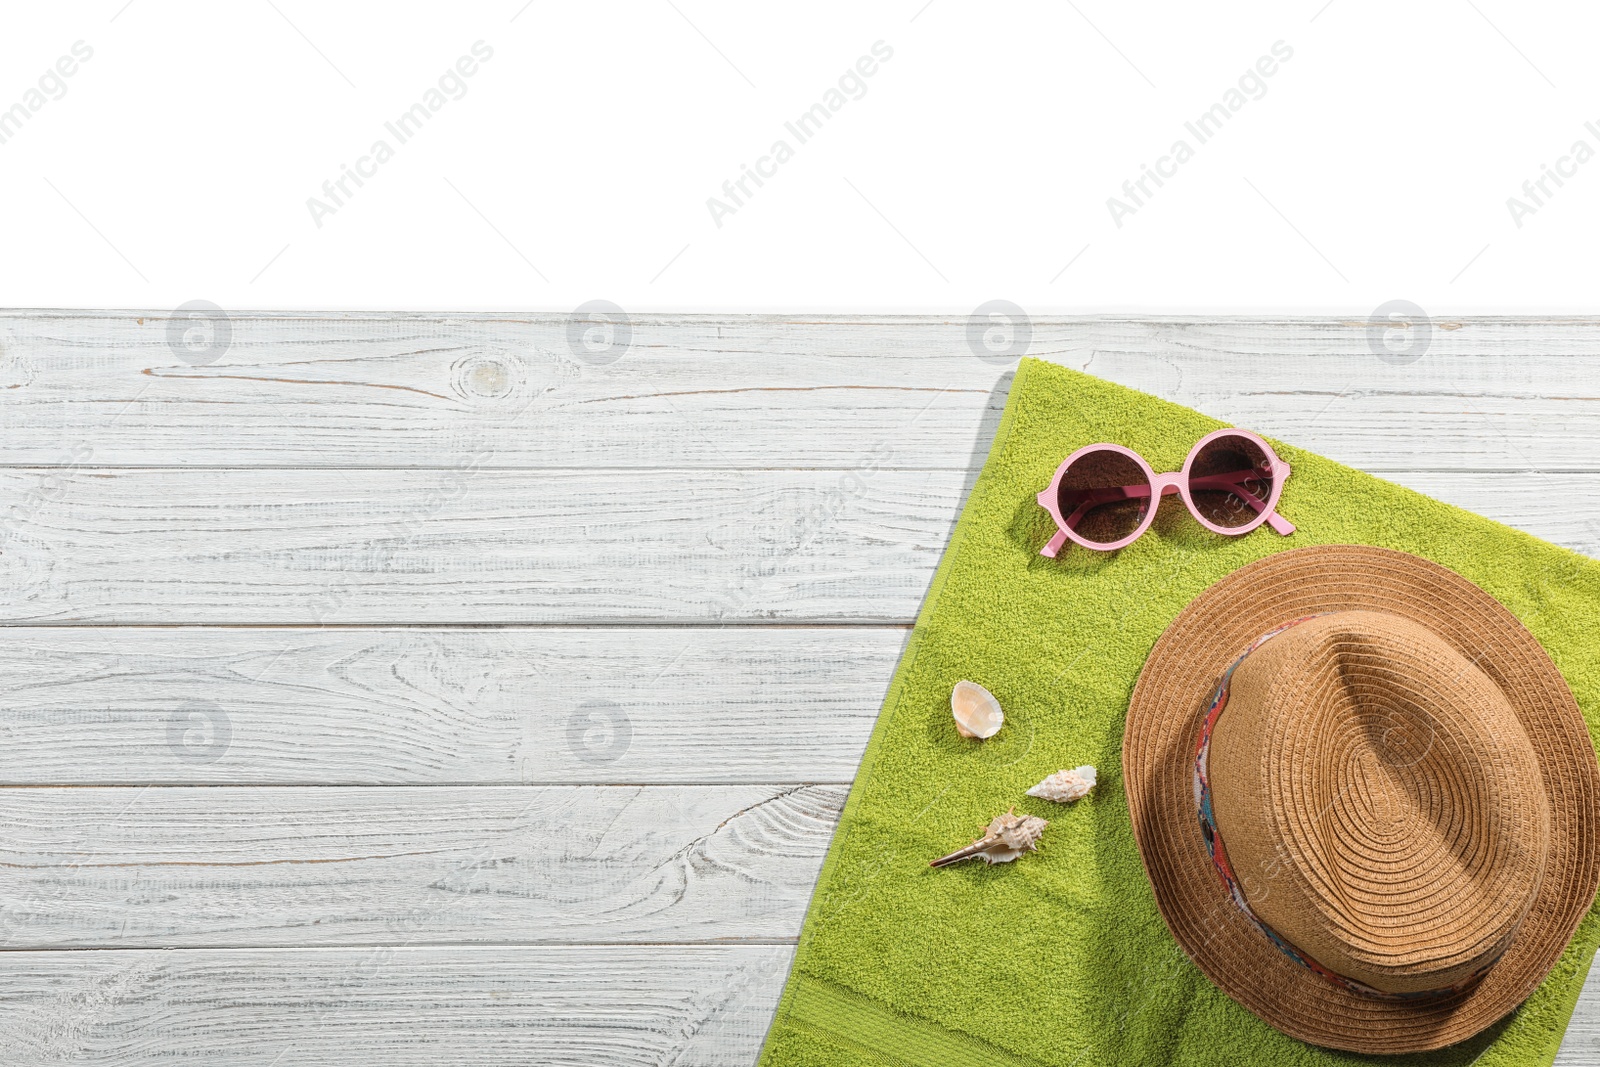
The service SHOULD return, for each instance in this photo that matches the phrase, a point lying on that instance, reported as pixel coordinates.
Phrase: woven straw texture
(1383, 798)
(1162, 729)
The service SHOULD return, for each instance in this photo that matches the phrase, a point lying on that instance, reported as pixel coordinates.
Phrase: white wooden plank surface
(595, 540)
(325, 546)
(282, 706)
(230, 866)
(552, 1005)
(360, 390)
(337, 547)
(1581, 1046)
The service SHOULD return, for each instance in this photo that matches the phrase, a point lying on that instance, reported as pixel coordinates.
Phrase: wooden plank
(328, 547)
(492, 391)
(352, 390)
(1581, 1046)
(251, 866)
(342, 547)
(225, 705)
(556, 1006)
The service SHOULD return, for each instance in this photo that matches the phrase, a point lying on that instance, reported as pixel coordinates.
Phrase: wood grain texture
(1581, 1046)
(229, 867)
(340, 547)
(357, 390)
(325, 547)
(281, 706)
(556, 1006)
(591, 627)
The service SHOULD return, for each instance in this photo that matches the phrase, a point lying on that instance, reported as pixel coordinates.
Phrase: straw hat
(1386, 841)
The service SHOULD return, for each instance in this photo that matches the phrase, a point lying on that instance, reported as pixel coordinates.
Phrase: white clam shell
(1066, 786)
(977, 712)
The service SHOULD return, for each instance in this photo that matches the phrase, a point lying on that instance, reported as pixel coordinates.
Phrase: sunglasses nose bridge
(1166, 484)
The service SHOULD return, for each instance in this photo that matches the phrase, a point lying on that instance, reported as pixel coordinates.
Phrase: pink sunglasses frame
(1165, 485)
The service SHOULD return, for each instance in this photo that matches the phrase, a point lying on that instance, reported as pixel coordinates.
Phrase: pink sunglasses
(1100, 496)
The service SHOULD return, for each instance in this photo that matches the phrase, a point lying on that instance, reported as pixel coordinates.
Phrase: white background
(977, 165)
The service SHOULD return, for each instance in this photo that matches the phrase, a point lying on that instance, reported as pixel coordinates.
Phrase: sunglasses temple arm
(1097, 497)
(1094, 499)
(1116, 492)
(1277, 522)
(1274, 520)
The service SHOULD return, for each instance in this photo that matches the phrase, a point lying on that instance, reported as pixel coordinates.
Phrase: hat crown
(1381, 802)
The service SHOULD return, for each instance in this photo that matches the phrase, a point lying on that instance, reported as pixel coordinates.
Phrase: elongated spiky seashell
(976, 710)
(1006, 837)
(1065, 786)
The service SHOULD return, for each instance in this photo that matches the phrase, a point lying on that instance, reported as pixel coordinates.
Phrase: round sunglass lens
(1104, 496)
(1231, 481)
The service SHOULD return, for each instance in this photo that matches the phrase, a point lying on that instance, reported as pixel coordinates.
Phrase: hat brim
(1164, 719)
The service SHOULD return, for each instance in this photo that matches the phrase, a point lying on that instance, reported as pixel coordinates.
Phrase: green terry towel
(1061, 958)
